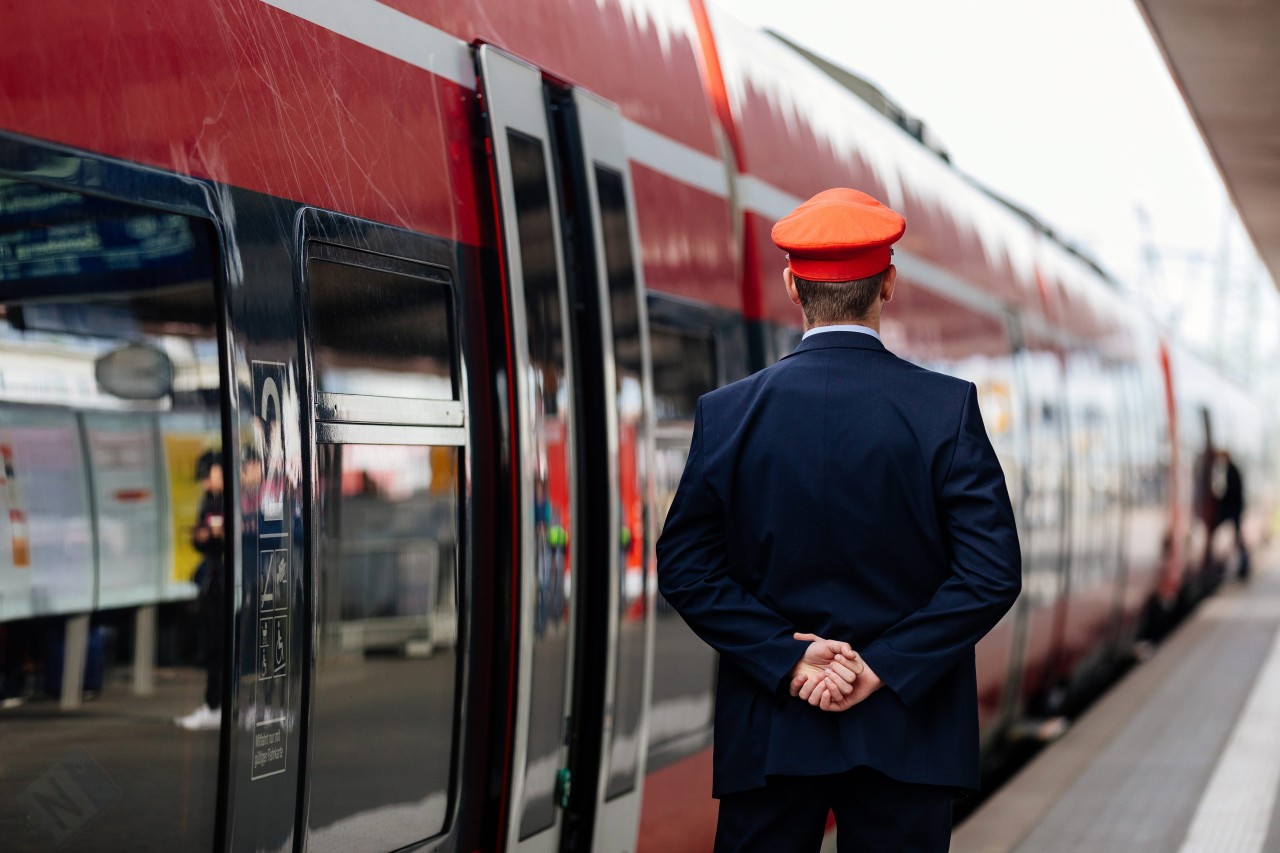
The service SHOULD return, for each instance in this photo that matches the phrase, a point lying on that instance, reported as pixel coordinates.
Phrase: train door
(1093, 576)
(386, 746)
(615, 392)
(1119, 474)
(583, 439)
(1045, 513)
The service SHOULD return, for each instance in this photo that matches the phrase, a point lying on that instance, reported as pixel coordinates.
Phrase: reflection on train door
(543, 382)
(584, 416)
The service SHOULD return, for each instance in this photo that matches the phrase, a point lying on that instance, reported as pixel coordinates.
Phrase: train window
(382, 726)
(684, 368)
(380, 326)
(624, 309)
(111, 510)
(547, 390)
(389, 433)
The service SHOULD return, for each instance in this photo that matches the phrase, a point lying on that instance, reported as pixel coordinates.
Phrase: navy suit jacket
(851, 494)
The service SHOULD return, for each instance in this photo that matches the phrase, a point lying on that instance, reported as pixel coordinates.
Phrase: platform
(1183, 754)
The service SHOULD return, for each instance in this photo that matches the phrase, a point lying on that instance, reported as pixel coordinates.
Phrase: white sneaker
(201, 719)
(194, 715)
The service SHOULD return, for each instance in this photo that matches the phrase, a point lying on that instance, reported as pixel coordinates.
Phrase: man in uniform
(842, 535)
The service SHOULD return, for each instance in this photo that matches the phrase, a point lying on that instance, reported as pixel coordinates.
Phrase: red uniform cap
(839, 235)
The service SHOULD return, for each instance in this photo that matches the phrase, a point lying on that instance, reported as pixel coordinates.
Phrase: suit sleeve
(693, 575)
(985, 572)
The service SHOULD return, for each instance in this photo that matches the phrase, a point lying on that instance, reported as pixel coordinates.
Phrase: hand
(808, 674)
(848, 681)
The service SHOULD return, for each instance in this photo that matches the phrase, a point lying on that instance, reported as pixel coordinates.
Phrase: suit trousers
(873, 813)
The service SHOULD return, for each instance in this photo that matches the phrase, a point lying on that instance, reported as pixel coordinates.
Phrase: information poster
(126, 491)
(46, 489)
(15, 541)
(185, 438)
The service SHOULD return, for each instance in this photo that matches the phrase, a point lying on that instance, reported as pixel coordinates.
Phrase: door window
(624, 310)
(112, 569)
(386, 663)
(390, 436)
(547, 395)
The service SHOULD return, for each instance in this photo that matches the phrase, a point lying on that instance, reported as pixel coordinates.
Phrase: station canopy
(1225, 57)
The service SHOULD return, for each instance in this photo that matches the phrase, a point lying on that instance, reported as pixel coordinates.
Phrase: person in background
(1231, 508)
(208, 537)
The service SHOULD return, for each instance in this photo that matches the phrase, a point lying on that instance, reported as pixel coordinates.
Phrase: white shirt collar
(843, 327)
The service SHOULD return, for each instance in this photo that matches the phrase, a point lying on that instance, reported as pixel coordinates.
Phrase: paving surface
(1134, 773)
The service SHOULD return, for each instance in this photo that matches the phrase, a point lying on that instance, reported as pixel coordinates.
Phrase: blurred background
(1070, 111)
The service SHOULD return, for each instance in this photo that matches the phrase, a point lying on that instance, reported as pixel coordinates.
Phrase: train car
(435, 287)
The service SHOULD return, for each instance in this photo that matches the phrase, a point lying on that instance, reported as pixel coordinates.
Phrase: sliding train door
(624, 554)
(583, 438)
(541, 390)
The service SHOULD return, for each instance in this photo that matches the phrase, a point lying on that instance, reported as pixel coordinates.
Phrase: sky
(1067, 109)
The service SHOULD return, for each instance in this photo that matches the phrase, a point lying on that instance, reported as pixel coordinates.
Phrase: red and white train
(440, 283)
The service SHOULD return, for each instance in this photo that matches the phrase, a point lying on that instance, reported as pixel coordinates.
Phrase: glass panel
(386, 667)
(377, 332)
(684, 368)
(548, 407)
(1043, 512)
(1094, 492)
(624, 308)
(1145, 485)
(110, 511)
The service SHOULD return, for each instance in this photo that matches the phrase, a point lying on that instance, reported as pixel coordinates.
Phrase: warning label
(273, 616)
(268, 748)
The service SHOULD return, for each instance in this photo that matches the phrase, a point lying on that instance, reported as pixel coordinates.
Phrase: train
(436, 286)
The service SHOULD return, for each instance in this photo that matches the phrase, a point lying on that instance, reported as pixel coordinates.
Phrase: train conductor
(842, 536)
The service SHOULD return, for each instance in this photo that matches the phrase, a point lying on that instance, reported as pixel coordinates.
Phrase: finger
(819, 688)
(797, 683)
(810, 638)
(810, 684)
(843, 687)
(839, 668)
(830, 649)
(834, 702)
(854, 662)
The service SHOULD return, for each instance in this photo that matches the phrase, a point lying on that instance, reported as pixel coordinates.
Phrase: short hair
(206, 462)
(825, 302)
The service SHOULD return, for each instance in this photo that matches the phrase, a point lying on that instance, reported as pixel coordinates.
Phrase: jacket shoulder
(904, 375)
(941, 382)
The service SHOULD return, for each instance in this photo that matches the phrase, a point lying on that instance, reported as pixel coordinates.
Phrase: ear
(886, 287)
(789, 281)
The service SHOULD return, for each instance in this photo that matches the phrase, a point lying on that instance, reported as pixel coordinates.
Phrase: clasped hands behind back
(831, 675)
